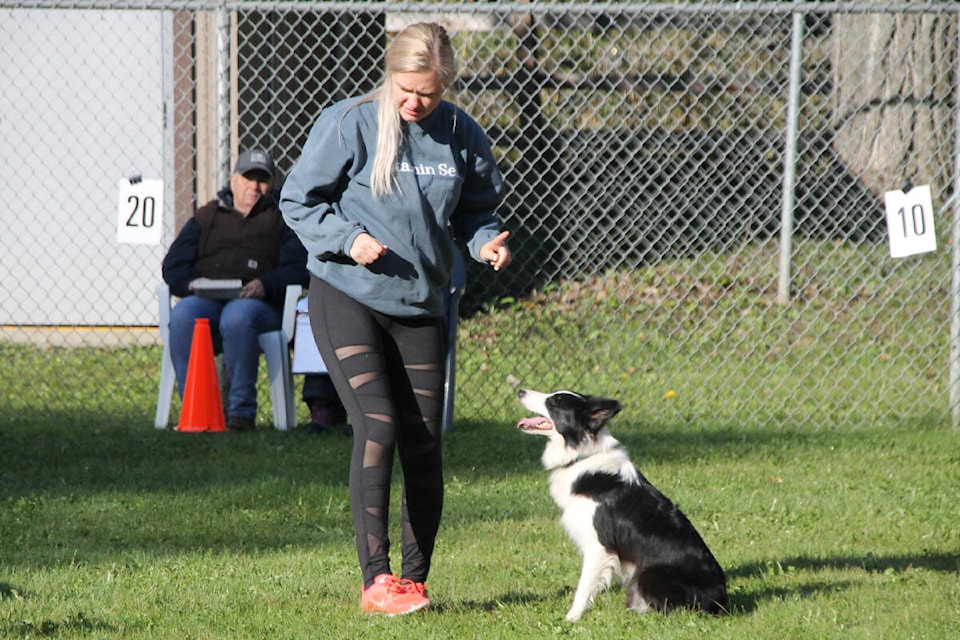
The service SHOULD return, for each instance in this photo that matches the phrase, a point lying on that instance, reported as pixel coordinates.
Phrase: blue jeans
(239, 323)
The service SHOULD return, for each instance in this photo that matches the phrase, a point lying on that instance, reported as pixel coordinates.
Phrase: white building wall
(82, 107)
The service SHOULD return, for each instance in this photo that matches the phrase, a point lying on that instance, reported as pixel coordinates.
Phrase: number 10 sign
(910, 222)
(140, 211)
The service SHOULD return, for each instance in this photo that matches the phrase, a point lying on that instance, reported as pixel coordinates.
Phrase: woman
(381, 182)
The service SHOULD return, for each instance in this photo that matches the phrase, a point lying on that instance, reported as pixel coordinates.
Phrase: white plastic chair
(274, 344)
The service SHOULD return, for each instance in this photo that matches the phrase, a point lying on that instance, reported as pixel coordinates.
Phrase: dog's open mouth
(537, 423)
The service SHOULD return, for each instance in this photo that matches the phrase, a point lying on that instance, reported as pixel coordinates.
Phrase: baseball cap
(255, 160)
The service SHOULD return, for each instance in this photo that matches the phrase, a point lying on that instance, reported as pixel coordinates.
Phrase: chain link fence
(696, 190)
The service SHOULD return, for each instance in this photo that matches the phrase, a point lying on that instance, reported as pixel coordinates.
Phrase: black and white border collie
(620, 521)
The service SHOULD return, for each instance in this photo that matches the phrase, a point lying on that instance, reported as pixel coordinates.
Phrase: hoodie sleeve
(177, 268)
(475, 221)
(313, 186)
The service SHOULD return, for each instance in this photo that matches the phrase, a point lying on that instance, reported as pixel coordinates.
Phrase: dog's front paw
(573, 616)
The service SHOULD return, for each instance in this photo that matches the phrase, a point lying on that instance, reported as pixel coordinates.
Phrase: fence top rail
(599, 6)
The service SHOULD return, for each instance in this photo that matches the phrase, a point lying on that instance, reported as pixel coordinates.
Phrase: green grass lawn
(111, 529)
(821, 471)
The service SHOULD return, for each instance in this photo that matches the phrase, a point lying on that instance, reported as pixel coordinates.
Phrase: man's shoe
(239, 423)
(393, 597)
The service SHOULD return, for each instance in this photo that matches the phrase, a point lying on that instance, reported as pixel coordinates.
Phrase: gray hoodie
(449, 182)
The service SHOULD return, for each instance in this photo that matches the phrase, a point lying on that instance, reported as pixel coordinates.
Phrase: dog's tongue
(537, 422)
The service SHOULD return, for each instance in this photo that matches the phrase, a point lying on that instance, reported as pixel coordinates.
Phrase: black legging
(389, 373)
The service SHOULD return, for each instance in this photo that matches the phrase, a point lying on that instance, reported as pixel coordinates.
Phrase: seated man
(241, 235)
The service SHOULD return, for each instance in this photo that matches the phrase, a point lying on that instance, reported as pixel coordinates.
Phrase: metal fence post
(223, 95)
(955, 262)
(790, 157)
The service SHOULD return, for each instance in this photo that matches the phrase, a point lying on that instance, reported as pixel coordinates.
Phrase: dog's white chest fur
(577, 517)
(566, 465)
(578, 510)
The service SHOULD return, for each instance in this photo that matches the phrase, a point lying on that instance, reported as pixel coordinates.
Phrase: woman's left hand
(496, 253)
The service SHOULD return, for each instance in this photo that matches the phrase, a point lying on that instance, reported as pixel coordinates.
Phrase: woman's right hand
(366, 249)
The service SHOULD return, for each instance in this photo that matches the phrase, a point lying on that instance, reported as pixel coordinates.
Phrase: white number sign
(910, 222)
(140, 211)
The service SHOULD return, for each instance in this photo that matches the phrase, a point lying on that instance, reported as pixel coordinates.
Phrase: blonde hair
(422, 46)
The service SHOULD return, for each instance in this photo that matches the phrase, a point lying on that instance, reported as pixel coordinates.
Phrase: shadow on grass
(10, 592)
(505, 601)
(77, 453)
(46, 628)
(747, 602)
(164, 492)
(83, 454)
(54, 628)
(944, 562)
(743, 604)
(495, 448)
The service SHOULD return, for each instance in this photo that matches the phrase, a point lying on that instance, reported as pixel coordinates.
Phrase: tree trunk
(892, 98)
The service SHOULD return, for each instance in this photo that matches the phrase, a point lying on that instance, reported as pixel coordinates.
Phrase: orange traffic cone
(201, 410)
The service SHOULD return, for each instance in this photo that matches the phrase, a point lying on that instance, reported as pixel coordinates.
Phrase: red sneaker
(393, 597)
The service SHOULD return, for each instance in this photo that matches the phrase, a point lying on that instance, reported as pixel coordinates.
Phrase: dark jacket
(219, 242)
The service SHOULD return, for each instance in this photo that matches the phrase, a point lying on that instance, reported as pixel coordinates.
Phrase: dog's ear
(599, 411)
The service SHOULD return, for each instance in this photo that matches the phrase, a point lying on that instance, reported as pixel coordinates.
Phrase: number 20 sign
(910, 222)
(140, 211)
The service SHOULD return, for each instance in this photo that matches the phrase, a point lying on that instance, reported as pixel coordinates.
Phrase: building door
(82, 107)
